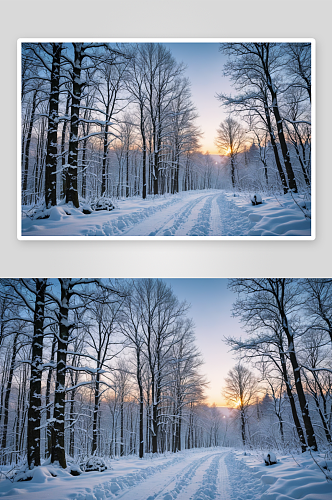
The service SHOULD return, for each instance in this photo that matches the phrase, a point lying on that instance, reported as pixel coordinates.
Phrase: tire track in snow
(184, 221)
(123, 224)
(223, 480)
(233, 221)
(215, 224)
(167, 485)
(212, 487)
(170, 216)
(244, 483)
(123, 486)
(202, 226)
(183, 484)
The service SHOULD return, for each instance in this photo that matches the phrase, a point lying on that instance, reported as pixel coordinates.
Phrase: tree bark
(144, 193)
(63, 142)
(141, 410)
(275, 148)
(284, 148)
(72, 192)
(291, 400)
(105, 148)
(95, 412)
(34, 414)
(27, 147)
(52, 133)
(48, 400)
(7, 397)
(297, 376)
(58, 438)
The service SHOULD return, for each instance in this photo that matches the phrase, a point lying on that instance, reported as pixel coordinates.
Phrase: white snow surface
(200, 474)
(193, 213)
(300, 477)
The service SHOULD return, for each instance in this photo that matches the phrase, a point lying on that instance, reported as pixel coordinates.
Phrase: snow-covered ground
(207, 213)
(203, 474)
(302, 477)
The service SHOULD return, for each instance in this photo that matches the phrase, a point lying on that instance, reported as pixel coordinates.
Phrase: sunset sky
(211, 304)
(204, 69)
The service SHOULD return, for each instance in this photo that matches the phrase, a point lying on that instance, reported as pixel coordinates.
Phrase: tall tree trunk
(7, 397)
(275, 148)
(63, 142)
(233, 171)
(48, 399)
(141, 411)
(284, 148)
(27, 147)
(121, 427)
(127, 172)
(34, 414)
(323, 420)
(154, 417)
(144, 154)
(299, 387)
(58, 437)
(291, 399)
(179, 430)
(303, 167)
(95, 412)
(52, 133)
(105, 149)
(72, 430)
(72, 192)
(243, 427)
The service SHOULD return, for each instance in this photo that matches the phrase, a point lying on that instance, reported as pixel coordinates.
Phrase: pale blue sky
(204, 64)
(211, 304)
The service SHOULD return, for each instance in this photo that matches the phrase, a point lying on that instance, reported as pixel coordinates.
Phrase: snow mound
(256, 199)
(94, 464)
(103, 204)
(40, 474)
(270, 458)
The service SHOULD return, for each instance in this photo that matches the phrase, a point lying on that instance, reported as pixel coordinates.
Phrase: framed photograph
(166, 139)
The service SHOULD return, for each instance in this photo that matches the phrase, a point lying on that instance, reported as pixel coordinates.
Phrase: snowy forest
(110, 368)
(103, 122)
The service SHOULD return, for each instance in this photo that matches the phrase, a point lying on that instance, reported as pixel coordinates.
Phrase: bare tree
(240, 391)
(256, 67)
(273, 304)
(230, 141)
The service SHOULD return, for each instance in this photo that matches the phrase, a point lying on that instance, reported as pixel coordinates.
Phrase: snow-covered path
(194, 213)
(185, 481)
(198, 474)
(206, 213)
(189, 475)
